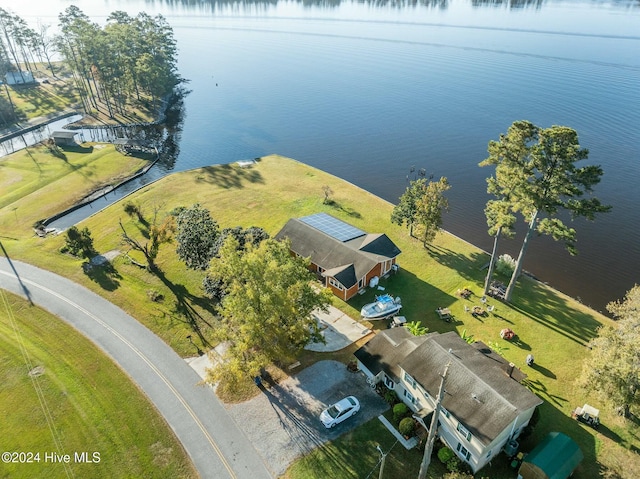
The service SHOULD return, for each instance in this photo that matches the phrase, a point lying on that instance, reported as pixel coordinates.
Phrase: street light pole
(384, 456)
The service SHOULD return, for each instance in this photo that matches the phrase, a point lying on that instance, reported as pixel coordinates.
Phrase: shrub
(505, 265)
(390, 397)
(457, 475)
(407, 426)
(399, 411)
(79, 243)
(453, 464)
(155, 295)
(416, 328)
(445, 454)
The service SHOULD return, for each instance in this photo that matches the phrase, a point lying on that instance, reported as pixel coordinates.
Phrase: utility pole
(384, 456)
(428, 448)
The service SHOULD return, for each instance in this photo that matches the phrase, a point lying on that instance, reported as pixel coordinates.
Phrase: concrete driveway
(283, 423)
(338, 330)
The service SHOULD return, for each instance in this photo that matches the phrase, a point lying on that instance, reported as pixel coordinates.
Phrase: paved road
(217, 447)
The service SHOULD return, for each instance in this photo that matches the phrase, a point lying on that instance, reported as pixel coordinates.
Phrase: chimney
(510, 369)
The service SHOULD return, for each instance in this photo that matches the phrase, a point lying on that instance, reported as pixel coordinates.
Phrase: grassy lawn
(81, 398)
(42, 99)
(354, 455)
(35, 184)
(549, 325)
(51, 95)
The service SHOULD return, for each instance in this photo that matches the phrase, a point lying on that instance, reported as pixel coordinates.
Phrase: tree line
(264, 296)
(537, 176)
(131, 60)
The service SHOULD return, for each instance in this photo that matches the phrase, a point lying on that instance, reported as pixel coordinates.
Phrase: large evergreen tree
(131, 58)
(537, 175)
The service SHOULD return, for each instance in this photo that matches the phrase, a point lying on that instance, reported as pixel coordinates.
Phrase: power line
(55, 434)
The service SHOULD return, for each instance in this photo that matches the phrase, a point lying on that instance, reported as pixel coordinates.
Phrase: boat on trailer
(384, 307)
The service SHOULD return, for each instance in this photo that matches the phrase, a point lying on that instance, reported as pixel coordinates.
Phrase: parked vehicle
(338, 412)
(588, 415)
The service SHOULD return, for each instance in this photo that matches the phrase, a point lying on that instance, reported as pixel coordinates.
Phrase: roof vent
(450, 350)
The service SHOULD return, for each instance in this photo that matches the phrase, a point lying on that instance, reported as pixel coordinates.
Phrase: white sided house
(484, 405)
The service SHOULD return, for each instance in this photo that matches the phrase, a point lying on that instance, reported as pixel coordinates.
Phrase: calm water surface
(365, 90)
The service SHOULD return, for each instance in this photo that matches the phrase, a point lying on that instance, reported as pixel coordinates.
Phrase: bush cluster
(400, 410)
(445, 454)
(505, 265)
(79, 243)
(407, 426)
(390, 397)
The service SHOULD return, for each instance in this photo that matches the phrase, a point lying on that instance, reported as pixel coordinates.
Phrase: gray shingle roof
(479, 391)
(362, 253)
(387, 350)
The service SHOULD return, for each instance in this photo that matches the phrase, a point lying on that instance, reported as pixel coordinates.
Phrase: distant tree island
(120, 73)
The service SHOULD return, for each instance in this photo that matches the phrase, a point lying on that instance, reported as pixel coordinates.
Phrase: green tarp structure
(556, 457)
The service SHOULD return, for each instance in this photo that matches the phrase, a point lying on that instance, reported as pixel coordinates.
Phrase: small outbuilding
(19, 78)
(64, 138)
(556, 457)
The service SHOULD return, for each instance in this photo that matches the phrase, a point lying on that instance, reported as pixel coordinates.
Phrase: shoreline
(94, 195)
(101, 192)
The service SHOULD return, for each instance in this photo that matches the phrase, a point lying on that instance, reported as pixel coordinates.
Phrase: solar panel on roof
(332, 226)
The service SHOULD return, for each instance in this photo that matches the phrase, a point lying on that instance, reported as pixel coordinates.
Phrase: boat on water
(384, 306)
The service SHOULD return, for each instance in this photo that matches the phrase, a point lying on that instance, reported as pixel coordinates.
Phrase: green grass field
(35, 184)
(42, 99)
(555, 328)
(81, 402)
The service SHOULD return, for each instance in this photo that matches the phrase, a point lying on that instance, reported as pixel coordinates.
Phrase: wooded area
(128, 63)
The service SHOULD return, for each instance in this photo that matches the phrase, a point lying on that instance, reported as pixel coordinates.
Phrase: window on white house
(462, 430)
(389, 382)
(410, 380)
(445, 412)
(409, 396)
(463, 451)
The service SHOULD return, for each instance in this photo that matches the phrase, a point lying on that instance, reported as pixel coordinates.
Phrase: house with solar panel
(345, 256)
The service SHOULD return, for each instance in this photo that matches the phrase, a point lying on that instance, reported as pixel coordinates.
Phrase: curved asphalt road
(216, 446)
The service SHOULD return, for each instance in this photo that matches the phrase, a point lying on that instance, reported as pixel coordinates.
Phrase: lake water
(366, 90)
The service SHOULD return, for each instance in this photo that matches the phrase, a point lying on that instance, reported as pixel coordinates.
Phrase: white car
(340, 411)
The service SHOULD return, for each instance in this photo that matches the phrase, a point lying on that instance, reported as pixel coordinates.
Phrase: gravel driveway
(284, 422)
